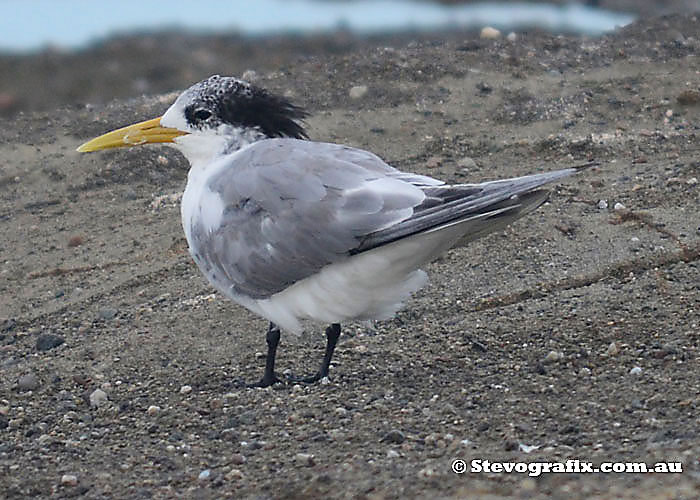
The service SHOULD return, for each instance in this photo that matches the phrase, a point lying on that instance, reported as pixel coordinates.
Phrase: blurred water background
(70, 24)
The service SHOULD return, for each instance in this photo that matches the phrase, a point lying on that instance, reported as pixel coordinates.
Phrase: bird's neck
(202, 150)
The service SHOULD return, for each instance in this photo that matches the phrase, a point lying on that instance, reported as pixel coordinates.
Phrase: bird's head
(216, 116)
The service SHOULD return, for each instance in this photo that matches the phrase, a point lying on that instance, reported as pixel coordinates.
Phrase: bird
(299, 231)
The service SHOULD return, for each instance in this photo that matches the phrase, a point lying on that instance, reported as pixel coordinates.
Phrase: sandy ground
(574, 334)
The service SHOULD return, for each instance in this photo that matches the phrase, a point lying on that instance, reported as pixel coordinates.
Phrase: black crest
(229, 100)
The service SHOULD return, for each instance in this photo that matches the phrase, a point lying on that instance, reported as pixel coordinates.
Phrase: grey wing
(293, 207)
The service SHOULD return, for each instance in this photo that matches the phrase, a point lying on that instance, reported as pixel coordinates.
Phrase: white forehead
(174, 117)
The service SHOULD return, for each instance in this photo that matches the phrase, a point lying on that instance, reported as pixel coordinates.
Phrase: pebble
(238, 459)
(528, 484)
(233, 475)
(341, 412)
(394, 436)
(612, 349)
(392, 454)
(48, 341)
(304, 459)
(692, 181)
(433, 162)
(512, 36)
(98, 397)
(619, 206)
(603, 204)
(426, 473)
(689, 97)
(107, 313)
(204, 475)
(637, 370)
(466, 163)
(490, 33)
(28, 382)
(553, 357)
(75, 241)
(358, 91)
(185, 389)
(153, 410)
(69, 480)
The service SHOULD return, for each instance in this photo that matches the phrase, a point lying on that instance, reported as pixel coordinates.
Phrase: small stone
(162, 160)
(238, 459)
(185, 389)
(584, 372)
(432, 439)
(619, 206)
(692, 181)
(75, 241)
(489, 33)
(466, 163)
(426, 473)
(304, 459)
(153, 410)
(107, 313)
(234, 475)
(394, 436)
(433, 162)
(341, 412)
(637, 370)
(28, 382)
(98, 398)
(484, 88)
(603, 204)
(392, 454)
(669, 113)
(612, 349)
(358, 91)
(69, 480)
(48, 341)
(553, 357)
(688, 97)
(512, 36)
(528, 484)
(204, 475)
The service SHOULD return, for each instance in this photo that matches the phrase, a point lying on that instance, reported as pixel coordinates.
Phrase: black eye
(202, 114)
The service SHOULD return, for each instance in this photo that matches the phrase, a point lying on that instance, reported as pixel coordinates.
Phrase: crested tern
(298, 230)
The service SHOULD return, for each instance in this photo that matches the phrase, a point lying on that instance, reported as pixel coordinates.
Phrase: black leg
(332, 336)
(273, 340)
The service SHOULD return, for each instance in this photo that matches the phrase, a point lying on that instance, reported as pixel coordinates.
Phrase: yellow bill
(146, 132)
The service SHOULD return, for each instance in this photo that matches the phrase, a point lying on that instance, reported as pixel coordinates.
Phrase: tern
(297, 230)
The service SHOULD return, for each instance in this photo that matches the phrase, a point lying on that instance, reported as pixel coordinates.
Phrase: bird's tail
(472, 210)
